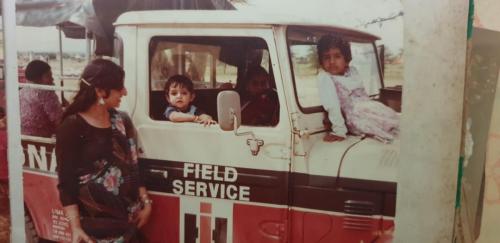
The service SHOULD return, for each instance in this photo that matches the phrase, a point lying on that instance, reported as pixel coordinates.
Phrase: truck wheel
(30, 231)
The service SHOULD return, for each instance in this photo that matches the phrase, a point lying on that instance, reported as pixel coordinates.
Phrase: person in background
(259, 106)
(40, 109)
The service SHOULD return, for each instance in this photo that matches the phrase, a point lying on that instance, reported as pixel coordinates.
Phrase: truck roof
(231, 18)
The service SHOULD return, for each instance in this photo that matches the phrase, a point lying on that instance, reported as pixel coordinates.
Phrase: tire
(30, 231)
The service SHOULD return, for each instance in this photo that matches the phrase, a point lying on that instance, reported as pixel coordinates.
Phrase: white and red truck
(279, 183)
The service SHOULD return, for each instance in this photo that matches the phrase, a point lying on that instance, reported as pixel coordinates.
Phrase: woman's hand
(80, 236)
(142, 217)
(330, 138)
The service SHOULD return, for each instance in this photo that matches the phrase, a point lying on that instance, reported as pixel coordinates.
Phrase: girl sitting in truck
(343, 96)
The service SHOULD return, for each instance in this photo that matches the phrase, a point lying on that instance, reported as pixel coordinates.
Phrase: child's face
(334, 62)
(258, 85)
(179, 97)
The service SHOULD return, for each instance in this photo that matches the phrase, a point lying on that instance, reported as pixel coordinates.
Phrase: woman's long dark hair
(100, 73)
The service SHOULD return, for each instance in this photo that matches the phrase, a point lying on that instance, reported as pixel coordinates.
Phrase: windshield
(305, 65)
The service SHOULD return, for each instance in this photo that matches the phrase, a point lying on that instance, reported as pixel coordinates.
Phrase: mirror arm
(235, 128)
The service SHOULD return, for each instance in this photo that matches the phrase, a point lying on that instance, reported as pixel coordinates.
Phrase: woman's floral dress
(107, 159)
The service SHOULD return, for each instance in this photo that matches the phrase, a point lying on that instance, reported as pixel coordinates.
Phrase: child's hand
(330, 137)
(206, 120)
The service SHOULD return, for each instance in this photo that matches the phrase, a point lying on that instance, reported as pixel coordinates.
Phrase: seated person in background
(179, 93)
(260, 106)
(41, 110)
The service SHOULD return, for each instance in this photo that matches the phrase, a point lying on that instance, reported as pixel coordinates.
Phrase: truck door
(208, 184)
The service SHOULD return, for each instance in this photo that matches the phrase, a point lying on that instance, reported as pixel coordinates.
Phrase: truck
(235, 182)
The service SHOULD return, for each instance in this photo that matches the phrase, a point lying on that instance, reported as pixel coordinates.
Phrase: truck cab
(257, 183)
(235, 181)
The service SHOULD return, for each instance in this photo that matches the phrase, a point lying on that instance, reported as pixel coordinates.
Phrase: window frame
(254, 33)
(213, 61)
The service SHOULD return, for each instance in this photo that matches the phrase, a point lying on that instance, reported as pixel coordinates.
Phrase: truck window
(213, 64)
(305, 65)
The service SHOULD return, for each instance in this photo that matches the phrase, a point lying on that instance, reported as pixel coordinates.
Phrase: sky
(350, 13)
(46, 39)
(339, 12)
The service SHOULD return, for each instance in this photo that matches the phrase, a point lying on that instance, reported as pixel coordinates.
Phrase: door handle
(162, 173)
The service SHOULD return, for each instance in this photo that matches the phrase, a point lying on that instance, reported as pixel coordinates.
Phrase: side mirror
(228, 110)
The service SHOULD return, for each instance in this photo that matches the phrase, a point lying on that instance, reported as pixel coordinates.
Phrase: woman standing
(99, 184)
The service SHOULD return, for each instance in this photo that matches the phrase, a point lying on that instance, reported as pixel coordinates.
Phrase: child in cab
(343, 96)
(260, 106)
(179, 93)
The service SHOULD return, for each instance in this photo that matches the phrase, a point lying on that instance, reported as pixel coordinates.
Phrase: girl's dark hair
(328, 42)
(181, 81)
(99, 73)
(35, 70)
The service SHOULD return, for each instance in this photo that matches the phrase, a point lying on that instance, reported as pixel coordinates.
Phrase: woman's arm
(143, 215)
(68, 142)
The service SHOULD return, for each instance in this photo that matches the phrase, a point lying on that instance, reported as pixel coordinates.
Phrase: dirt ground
(4, 213)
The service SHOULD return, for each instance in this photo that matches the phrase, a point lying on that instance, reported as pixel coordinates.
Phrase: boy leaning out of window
(179, 93)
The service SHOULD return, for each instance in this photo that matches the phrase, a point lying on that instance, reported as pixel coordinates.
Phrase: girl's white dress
(345, 97)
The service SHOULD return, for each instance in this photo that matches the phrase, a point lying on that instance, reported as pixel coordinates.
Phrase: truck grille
(360, 208)
(357, 223)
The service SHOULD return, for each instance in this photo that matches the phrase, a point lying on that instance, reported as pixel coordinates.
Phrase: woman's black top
(78, 146)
